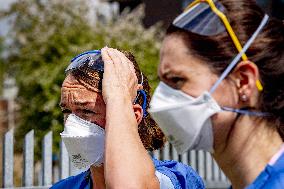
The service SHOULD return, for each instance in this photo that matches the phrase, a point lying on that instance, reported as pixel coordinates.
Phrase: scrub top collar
(268, 173)
(87, 182)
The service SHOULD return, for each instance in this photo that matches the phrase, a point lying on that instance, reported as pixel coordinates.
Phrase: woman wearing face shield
(221, 90)
(104, 99)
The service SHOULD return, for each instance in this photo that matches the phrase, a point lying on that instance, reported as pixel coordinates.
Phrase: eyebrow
(167, 74)
(163, 74)
(174, 72)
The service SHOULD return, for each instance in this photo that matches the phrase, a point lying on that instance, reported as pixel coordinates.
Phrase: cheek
(199, 83)
(226, 94)
(65, 116)
(100, 120)
(100, 108)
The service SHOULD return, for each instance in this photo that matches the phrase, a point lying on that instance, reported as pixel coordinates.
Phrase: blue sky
(4, 5)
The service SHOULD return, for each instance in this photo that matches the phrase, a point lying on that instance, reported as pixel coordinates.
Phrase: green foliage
(47, 36)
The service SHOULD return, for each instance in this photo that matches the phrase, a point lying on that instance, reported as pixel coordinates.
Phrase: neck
(98, 178)
(250, 147)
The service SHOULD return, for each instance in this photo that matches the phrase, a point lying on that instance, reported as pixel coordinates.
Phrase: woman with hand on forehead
(104, 99)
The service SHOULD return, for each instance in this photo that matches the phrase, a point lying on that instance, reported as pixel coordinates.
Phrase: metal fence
(201, 161)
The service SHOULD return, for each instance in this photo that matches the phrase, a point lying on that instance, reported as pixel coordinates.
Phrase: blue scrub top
(272, 177)
(180, 175)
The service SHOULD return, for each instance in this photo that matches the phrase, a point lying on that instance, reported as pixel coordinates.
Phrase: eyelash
(66, 111)
(88, 111)
(176, 79)
(175, 82)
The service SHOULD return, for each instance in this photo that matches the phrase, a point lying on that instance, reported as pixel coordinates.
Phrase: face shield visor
(90, 59)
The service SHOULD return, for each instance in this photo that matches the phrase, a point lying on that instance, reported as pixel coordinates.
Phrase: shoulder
(181, 175)
(276, 174)
(275, 181)
(72, 182)
(269, 178)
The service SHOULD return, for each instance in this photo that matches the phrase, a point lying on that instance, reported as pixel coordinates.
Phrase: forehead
(75, 92)
(175, 57)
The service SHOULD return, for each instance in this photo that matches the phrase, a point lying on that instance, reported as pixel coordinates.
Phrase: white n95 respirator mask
(84, 142)
(185, 120)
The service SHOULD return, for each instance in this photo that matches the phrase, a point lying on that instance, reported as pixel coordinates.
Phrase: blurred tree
(46, 36)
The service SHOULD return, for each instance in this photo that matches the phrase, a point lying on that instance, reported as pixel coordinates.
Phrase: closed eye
(66, 111)
(176, 82)
(176, 79)
(86, 111)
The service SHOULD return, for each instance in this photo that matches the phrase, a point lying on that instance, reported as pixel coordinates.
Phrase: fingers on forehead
(108, 63)
(105, 55)
(116, 56)
(125, 59)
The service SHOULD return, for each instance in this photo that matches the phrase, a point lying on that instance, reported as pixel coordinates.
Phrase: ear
(246, 74)
(139, 87)
(138, 111)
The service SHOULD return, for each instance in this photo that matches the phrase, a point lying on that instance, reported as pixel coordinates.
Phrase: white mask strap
(237, 58)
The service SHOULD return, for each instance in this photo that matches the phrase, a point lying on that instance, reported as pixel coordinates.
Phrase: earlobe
(246, 74)
(139, 87)
(138, 111)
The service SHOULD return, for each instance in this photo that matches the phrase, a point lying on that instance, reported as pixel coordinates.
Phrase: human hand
(119, 78)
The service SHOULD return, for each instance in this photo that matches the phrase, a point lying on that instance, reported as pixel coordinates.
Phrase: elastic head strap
(144, 105)
(144, 96)
(238, 57)
(142, 79)
(246, 112)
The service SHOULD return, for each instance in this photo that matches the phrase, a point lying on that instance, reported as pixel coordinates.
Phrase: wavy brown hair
(150, 134)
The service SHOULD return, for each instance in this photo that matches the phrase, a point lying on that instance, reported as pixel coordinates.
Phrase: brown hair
(151, 135)
(267, 52)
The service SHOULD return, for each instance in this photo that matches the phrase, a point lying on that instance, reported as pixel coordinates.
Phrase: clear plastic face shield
(200, 19)
(93, 60)
(207, 18)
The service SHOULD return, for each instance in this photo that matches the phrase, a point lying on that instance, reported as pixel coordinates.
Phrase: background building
(167, 10)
